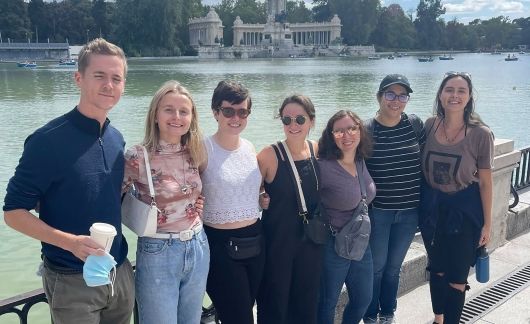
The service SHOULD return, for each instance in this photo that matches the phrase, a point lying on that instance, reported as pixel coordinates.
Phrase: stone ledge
(413, 273)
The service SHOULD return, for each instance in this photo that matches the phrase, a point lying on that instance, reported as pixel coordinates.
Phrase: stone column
(506, 159)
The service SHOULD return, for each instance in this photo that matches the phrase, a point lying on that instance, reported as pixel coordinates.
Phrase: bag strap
(302, 209)
(362, 185)
(149, 178)
(417, 125)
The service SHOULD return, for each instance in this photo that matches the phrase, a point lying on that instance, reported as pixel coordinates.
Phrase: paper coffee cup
(103, 234)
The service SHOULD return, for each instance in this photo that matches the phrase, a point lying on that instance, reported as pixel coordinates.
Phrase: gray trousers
(72, 301)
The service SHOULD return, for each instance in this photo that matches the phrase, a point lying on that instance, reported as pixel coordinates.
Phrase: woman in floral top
(172, 265)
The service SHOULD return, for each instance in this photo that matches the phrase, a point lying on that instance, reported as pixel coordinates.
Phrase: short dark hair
(328, 150)
(303, 101)
(231, 91)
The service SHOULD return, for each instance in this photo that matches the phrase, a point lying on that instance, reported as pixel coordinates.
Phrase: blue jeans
(358, 277)
(171, 279)
(392, 233)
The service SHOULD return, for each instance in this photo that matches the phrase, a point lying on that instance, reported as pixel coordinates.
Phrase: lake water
(29, 98)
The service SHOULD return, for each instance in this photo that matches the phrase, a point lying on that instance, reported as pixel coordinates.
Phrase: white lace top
(230, 183)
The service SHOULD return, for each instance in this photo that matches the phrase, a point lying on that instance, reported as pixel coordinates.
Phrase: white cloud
(466, 6)
(508, 7)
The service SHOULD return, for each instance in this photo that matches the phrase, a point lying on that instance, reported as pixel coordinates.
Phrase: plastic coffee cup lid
(103, 228)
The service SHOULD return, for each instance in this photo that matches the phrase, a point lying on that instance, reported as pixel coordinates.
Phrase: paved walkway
(415, 307)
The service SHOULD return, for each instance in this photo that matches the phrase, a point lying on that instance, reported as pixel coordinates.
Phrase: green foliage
(428, 24)
(394, 30)
(250, 12)
(160, 27)
(358, 17)
(14, 22)
(297, 12)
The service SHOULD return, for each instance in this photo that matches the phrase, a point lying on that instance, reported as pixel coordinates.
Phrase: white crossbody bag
(139, 217)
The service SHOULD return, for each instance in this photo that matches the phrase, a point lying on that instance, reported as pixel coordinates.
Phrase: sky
(463, 10)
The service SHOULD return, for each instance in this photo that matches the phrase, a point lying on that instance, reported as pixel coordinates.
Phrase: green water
(29, 98)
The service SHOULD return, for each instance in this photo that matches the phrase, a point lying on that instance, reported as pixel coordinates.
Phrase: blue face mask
(97, 270)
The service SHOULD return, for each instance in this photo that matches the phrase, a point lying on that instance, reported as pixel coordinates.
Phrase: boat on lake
(390, 57)
(69, 62)
(511, 57)
(27, 64)
(446, 57)
(425, 59)
(374, 57)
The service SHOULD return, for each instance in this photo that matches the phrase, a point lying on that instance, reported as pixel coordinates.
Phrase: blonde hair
(192, 140)
(99, 46)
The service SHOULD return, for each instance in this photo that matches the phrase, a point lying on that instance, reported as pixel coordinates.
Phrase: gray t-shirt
(340, 192)
(450, 168)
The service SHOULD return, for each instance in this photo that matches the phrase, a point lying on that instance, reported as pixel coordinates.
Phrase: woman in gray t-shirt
(455, 213)
(341, 149)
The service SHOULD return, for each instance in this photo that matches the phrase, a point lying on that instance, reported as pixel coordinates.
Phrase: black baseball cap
(395, 79)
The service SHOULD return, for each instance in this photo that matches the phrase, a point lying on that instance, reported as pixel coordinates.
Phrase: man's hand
(82, 246)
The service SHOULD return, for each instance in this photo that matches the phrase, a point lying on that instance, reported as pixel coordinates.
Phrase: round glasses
(390, 96)
(287, 120)
(230, 112)
(339, 133)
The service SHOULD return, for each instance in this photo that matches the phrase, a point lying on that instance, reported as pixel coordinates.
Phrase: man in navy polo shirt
(71, 171)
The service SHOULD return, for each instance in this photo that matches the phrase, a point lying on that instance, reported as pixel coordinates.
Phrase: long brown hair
(471, 118)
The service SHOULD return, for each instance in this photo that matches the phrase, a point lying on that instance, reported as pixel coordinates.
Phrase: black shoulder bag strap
(360, 177)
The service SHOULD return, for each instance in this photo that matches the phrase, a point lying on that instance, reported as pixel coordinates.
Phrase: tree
(102, 13)
(428, 25)
(394, 29)
(250, 12)
(297, 12)
(523, 27)
(14, 22)
(358, 17)
(39, 16)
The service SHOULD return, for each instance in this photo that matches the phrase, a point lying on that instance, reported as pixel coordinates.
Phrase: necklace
(447, 138)
(185, 187)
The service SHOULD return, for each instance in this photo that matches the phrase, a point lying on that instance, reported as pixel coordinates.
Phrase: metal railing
(521, 174)
(20, 305)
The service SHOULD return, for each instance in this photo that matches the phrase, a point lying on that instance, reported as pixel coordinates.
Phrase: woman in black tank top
(289, 291)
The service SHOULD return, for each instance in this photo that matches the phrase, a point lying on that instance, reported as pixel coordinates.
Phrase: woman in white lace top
(231, 181)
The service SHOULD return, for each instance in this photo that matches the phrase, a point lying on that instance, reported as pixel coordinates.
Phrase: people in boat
(456, 204)
(65, 174)
(171, 265)
(290, 287)
(231, 182)
(395, 168)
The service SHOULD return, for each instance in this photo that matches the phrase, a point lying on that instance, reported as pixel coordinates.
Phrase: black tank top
(281, 219)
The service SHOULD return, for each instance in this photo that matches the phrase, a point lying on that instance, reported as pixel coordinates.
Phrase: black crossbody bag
(316, 227)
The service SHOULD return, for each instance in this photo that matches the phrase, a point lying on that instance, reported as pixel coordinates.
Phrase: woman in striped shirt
(395, 169)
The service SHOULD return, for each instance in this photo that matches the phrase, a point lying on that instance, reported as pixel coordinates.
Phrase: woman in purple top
(342, 149)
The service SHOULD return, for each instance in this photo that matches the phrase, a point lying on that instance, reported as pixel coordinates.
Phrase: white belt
(185, 235)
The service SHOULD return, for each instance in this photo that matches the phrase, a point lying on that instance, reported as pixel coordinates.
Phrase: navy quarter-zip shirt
(73, 170)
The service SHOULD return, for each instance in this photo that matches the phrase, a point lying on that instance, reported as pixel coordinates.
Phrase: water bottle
(482, 267)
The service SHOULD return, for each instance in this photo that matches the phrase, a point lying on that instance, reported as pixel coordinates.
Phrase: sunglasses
(230, 112)
(390, 96)
(339, 133)
(287, 120)
(454, 73)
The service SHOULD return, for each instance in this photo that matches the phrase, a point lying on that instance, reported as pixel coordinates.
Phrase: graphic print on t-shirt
(444, 167)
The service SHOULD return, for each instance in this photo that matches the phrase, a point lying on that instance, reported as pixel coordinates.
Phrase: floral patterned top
(176, 183)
